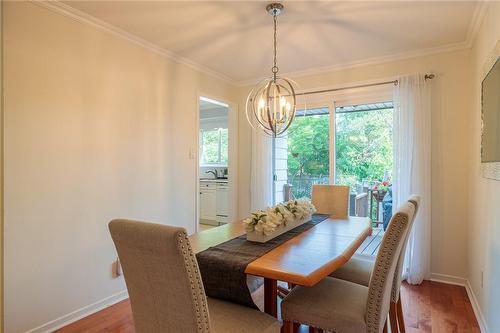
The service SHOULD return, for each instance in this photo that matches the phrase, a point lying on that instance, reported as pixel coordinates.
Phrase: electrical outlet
(116, 269)
(482, 279)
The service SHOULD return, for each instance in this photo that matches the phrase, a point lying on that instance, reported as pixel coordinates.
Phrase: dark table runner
(222, 267)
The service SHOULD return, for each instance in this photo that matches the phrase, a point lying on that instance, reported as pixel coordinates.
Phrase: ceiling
(234, 39)
(212, 110)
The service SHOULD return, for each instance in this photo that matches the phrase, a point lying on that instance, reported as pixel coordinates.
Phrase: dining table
(303, 260)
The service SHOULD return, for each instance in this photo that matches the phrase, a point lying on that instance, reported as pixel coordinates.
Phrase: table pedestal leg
(270, 297)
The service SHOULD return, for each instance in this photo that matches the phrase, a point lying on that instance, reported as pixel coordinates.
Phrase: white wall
(450, 140)
(484, 219)
(89, 136)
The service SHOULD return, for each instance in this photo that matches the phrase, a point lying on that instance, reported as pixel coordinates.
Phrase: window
(214, 147)
(363, 144)
(346, 145)
(308, 160)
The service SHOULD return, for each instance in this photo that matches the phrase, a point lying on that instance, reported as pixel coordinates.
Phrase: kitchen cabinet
(214, 202)
(208, 199)
(222, 204)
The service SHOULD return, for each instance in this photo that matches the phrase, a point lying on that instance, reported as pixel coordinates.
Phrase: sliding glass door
(363, 144)
(343, 144)
(303, 156)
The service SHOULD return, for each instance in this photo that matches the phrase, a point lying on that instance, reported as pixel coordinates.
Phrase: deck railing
(302, 185)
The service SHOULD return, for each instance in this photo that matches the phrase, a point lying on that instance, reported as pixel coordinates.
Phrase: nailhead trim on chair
(197, 291)
(380, 271)
(397, 282)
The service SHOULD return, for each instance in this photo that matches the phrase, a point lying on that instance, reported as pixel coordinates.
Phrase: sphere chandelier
(272, 102)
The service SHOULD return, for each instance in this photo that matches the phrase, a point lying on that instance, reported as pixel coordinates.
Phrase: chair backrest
(361, 204)
(415, 200)
(382, 278)
(163, 280)
(331, 199)
(396, 286)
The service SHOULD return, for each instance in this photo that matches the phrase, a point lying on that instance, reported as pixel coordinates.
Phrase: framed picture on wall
(490, 116)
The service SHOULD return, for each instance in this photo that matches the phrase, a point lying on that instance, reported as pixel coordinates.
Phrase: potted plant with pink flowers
(380, 190)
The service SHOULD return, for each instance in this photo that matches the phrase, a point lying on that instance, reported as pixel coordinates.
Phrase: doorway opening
(213, 156)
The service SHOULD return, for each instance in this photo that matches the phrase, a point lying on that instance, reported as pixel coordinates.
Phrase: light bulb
(261, 106)
(262, 103)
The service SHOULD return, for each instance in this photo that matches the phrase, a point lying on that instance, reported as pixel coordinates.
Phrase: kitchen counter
(213, 180)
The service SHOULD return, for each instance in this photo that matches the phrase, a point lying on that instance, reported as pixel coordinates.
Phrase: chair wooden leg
(296, 327)
(401, 320)
(287, 327)
(393, 318)
(385, 327)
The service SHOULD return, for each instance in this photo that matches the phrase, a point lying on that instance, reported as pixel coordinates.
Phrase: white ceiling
(213, 113)
(212, 110)
(235, 38)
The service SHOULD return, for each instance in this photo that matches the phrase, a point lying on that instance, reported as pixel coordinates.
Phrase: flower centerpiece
(271, 222)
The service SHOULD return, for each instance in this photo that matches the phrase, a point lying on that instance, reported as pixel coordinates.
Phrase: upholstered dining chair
(331, 199)
(165, 287)
(359, 270)
(343, 306)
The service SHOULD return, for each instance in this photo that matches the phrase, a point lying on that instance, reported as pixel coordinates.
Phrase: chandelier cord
(275, 68)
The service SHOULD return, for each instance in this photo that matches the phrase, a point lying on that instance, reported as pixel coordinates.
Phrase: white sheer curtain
(412, 168)
(261, 179)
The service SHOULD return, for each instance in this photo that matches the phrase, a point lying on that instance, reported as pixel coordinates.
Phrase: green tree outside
(363, 149)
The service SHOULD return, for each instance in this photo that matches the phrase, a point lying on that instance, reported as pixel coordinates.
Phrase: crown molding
(476, 21)
(82, 17)
(472, 31)
(367, 62)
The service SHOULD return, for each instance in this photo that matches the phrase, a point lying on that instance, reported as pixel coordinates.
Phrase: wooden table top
(302, 260)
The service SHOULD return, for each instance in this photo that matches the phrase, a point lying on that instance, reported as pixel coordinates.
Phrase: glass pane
(363, 145)
(210, 147)
(308, 159)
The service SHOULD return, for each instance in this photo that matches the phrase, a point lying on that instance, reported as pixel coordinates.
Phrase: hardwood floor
(204, 227)
(430, 307)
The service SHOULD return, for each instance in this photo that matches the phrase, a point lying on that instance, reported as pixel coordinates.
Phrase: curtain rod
(395, 82)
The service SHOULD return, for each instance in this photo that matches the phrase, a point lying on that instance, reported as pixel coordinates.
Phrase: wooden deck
(371, 244)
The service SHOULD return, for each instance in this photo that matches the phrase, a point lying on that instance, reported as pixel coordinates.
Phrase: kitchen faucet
(214, 172)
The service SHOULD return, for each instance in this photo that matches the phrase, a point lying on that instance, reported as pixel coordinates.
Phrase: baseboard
(477, 310)
(80, 313)
(450, 279)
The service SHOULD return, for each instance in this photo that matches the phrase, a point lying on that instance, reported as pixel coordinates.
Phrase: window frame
(219, 162)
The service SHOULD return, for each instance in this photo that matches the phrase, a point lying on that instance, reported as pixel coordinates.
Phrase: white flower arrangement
(267, 221)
